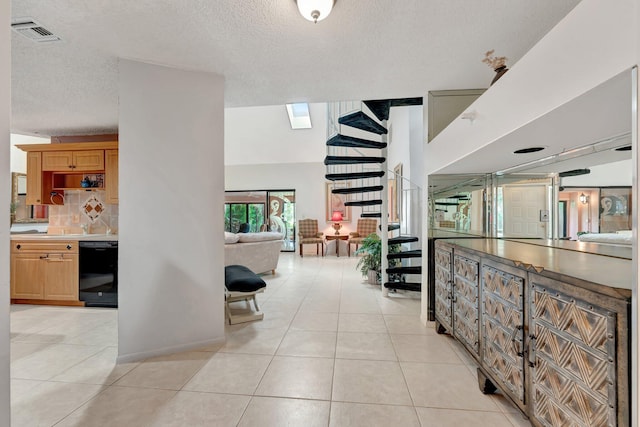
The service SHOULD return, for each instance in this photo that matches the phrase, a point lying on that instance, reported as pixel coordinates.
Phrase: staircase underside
(373, 202)
(406, 254)
(402, 239)
(404, 270)
(360, 120)
(351, 160)
(405, 286)
(353, 175)
(352, 142)
(356, 190)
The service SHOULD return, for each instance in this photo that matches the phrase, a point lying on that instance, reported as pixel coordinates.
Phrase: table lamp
(336, 217)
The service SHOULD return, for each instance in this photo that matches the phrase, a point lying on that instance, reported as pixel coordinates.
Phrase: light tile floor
(331, 351)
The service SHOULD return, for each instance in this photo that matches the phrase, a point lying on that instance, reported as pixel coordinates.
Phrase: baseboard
(424, 318)
(137, 357)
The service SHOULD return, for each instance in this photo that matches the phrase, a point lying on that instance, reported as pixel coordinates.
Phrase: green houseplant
(370, 265)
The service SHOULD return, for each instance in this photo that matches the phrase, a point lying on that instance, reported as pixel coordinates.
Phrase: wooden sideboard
(548, 326)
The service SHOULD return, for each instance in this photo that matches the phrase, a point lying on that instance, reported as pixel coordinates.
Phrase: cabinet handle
(532, 351)
(69, 247)
(18, 246)
(514, 341)
(44, 256)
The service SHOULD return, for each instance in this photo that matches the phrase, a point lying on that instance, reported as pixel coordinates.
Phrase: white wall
(611, 174)
(19, 157)
(171, 250)
(259, 135)
(5, 114)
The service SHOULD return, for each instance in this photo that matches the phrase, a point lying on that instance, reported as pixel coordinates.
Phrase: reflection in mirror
(21, 212)
(578, 187)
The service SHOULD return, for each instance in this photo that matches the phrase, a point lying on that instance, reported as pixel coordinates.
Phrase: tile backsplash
(83, 208)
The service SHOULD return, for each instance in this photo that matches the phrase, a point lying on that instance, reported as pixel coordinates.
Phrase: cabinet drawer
(59, 246)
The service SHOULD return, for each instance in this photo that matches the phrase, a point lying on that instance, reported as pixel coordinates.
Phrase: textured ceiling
(267, 52)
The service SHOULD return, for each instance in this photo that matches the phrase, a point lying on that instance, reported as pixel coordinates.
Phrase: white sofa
(259, 252)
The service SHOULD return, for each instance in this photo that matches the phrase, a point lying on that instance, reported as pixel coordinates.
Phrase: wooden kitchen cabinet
(44, 272)
(59, 167)
(81, 160)
(111, 176)
(35, 194)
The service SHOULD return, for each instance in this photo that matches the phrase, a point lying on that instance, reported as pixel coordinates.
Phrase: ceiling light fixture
(315, 10)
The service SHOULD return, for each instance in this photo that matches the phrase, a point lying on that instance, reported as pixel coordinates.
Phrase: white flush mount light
(299, 115)
(315, 10)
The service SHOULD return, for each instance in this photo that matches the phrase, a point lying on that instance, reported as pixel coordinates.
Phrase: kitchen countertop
(65, 237)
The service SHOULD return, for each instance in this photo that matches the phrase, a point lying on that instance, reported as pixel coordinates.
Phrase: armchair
(308, 232)
(365, 227)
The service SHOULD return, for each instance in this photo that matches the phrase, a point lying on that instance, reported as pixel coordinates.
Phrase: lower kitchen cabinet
(556, 345)
(44, 271)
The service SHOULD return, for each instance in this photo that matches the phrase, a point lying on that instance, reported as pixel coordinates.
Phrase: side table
(337, 238)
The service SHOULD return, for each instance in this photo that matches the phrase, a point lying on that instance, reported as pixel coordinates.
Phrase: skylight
(299, 115)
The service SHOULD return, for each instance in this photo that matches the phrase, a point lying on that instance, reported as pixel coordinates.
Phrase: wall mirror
(578, 184)
(21, 212)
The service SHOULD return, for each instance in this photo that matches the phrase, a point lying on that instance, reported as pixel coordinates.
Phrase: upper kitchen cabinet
(81, 160)
(111, 175)
(55, 168)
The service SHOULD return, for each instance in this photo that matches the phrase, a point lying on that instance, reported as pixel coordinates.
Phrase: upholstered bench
(242, 284)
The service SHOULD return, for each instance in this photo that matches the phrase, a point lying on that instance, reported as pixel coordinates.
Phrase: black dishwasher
(98, 273)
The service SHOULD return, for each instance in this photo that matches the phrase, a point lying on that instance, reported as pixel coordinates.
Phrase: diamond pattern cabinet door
(465, 301)
(443, 285)
(574, 360)
(502, 327)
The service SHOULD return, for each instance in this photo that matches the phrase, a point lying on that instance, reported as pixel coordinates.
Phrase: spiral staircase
(356, 162)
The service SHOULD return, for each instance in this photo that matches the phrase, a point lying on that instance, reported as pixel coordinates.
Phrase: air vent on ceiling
(32, 30)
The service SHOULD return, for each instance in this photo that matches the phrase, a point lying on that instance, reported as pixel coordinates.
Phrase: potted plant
(370, 265)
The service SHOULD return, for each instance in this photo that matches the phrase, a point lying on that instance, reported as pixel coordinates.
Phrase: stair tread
(360, 120)
(355, 190)
(379, 107)
(372, 202)
(390, 227)
(371, 215)
(350, 141)
(406, 286)
(405, 270)
(417, 253)
(354, 175)
(403, 239)
(352, 160)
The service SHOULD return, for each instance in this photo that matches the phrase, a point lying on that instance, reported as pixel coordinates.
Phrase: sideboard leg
(485, 384)
(440, 329)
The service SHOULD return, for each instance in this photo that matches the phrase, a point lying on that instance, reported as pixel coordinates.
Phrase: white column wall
(5, 115)
(171, 251)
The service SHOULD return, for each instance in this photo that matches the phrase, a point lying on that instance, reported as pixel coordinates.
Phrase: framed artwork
(335, 202)
(615, 209)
